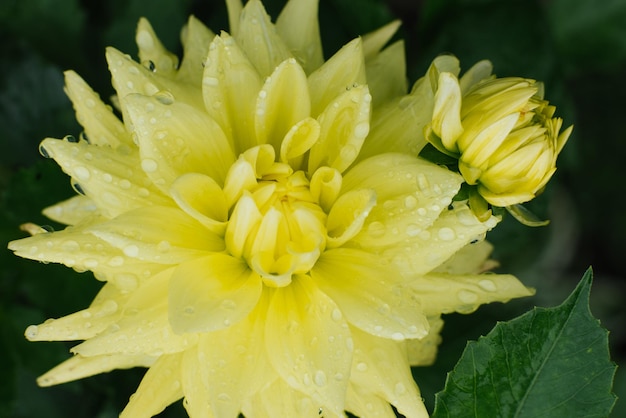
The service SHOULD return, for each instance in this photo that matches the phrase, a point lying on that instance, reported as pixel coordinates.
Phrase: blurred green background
(577, 47)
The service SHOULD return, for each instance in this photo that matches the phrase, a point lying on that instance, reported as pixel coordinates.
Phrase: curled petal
(447, 112)
(203, 199)
(347, 216)
(344, 126)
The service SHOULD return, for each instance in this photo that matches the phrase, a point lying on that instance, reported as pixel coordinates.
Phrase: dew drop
(164, 97)
(116, 261)
(107, 177)
(131, 250)
(125, 184)
(467, 296)
(487, 285)
(410, 202)
(376, 229)
(228, 304)
(70, 246)
(446, 234)
(422, 181)
(362, 367)
(336, 315)
(71, 138)
(82, 173)
(361, 130)
(399, 389)
(397, 336)
(91, 103)
(189, 310)
(320, 378)
(422, 212)
(130, 84)
(224, 397)
(164, 246)
(413, 230)
(384, 309)
(43, 151)
(148, 165)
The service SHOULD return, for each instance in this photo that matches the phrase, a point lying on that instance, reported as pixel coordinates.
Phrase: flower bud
(501, 130)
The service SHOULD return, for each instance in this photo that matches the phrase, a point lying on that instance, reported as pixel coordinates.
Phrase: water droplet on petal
(362, 367)
(487, 285)
(148, 165)
(397, 336)
(446, 234)
(399, 389)
(320, 378)
(164, 97)
(31, 332)
(467, 296)
(336, 315)
(131, 250)
(376, 229)
(82, 173)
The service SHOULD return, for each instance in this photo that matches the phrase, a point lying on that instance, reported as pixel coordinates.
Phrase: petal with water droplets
(175, 138)
(212, 293)
(368, 293)
(298, 25)
(160, 387)
(72, 211)
(309, 343)
(196, 39)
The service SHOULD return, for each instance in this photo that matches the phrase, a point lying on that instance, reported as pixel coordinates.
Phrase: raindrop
(116, 261)
(413, 230)
(125, 184)
(336, 315)
(487, 285)
(362, 367)
(467, 296)
(320, 378)
(164, 97)
(361, 130)
(384, 309)
(446, 234)
(130, 84)
(148, 165)
(78, 189)
(189, 310)
(376, 229)
(422, 181)
(71, 138)
(151, 66)
(107, 177)
(131, 250)
(397, 336)
(82, 173)
(164, 246)
(410, 202)
(229, 304)
(224, 397)
(399, 389)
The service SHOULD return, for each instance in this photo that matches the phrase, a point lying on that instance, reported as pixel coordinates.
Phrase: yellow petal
(478, 72)
(175, 138)
(411, 193)
(308, 343)
(83, 251)
(159, 388)
(369, 294)
(101, 125)
(300, 138)
(447, 111)
(144, 326)
(79, 367)
(195, 386)
(258, 38)
(347, 215)
(152, 53)
(72, 211)
(343, 70)
(298, 26)
(83, 324)
(380, 367)
(344, 126)
(144, 235)
(471, 259)
(234, 364)
(442, 293)
(386, 74)
(363, 404)
(374, 41)
(110, 178)
(230, 86)
(274, 115)
(203, 199)
(130, 77)
(196, 39)
(431, 247)
(234, 10)
(280, 400)
(424, 351)
(211, 293)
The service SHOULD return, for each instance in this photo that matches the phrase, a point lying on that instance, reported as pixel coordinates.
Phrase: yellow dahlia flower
(263, 251)
(502, 131)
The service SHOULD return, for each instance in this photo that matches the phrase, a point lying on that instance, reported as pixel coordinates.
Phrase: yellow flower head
(502, 131)
(269, 243)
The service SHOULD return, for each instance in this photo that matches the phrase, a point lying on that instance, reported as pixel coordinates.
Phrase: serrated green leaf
(546, 363)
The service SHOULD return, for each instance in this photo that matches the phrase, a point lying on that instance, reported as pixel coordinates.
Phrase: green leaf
(546, 363)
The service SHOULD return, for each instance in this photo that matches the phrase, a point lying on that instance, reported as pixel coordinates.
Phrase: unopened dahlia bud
(501, 130)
